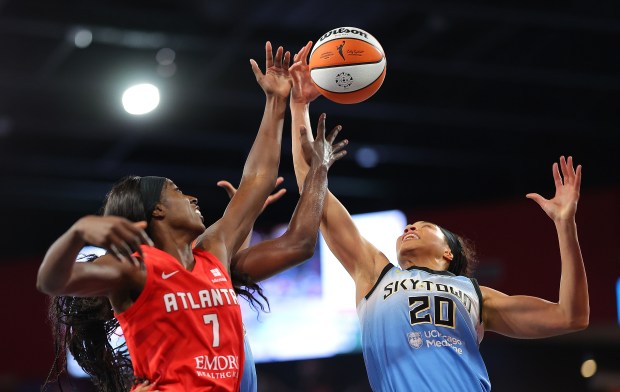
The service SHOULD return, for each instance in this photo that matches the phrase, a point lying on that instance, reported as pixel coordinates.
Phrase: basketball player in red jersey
(178, 309)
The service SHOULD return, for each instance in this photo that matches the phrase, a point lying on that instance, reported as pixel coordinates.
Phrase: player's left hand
(563, 206)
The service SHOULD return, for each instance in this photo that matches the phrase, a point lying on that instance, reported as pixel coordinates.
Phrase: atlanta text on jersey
(203, 299)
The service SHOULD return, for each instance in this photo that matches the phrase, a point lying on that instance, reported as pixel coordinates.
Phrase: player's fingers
(333, 134)
(228, 187)
(578, 177)
(257, 72)
(339, 155)
(536, 197)
(268, 55)
(339, 146)
(557, 179)
(278, 58)
(146, 239)
(276, 196)
(320, 129)
(570, 169)
(306, 50)
(117, 253)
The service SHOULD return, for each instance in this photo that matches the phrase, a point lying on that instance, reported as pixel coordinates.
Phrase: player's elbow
(577, 321)
(580, 323)
(304, 247)
(47, 287)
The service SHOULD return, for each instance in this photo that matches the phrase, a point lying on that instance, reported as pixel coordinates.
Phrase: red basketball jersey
(184, 332)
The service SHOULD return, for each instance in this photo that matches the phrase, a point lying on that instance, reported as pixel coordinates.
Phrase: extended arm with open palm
(530, 317)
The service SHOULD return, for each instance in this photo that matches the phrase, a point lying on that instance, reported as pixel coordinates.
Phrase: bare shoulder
(211, 241)
(490, 294)
(368, 274)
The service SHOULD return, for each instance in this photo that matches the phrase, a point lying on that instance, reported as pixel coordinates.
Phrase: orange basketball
(347, 65)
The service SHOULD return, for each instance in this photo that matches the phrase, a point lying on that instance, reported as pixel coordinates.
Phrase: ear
(447, 255)
(159, 212)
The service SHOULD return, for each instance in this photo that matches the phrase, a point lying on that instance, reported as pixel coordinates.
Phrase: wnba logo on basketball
(347, 65)
(414, 339)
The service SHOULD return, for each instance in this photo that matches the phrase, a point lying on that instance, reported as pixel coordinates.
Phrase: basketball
(347, 65)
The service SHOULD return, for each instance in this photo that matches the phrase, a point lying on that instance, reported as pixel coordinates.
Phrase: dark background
(479, 100)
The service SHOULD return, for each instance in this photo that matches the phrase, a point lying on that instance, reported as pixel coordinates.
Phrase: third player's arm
(297, 244)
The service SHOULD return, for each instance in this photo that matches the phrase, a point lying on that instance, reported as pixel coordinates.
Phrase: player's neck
(424, 262)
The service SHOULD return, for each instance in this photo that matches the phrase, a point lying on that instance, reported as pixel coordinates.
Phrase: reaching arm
(531, 317)
(227, 235)
(59, 274)
(362, 260)
(297, 244)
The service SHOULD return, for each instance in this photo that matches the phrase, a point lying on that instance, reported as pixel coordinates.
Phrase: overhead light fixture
(141, 99)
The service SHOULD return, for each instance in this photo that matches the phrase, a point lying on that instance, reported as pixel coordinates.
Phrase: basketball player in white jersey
(422, 321)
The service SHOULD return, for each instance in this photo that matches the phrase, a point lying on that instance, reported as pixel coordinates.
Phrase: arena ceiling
(478, 101)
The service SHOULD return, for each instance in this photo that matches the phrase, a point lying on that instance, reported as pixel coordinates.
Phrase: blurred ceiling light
(166, 71)
(6, 126)
(588, 368)
(141, 99)
(165, 56)
(367, 157)
(82, 38)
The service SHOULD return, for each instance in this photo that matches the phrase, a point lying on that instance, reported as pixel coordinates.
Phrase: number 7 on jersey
(212, 319)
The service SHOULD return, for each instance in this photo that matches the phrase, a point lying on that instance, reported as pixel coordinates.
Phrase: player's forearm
(574, 298)
(57, 266)
(264, 157)
(300, 116)
(307, 216)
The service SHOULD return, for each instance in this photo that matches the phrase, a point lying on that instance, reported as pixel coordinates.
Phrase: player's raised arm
(530, 317)
(225, 237)
(362, 260)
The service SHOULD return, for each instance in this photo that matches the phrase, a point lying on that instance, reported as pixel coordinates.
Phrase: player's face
(181, 210)
(421, 239)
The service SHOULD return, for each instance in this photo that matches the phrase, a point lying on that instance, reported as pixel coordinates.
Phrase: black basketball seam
(348, 65)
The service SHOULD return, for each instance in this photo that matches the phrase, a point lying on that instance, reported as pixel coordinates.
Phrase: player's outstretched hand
(322, 151)
(563, 206)
(276, 81)
(304, 91)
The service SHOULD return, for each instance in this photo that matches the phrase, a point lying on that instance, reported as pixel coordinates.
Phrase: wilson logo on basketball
(344, 30)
